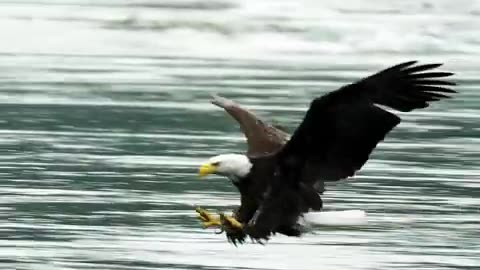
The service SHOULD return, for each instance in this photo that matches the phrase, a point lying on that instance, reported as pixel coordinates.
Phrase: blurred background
(105, 116)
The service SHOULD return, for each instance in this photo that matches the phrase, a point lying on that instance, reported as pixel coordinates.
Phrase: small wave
(218, 27)
(188, 5)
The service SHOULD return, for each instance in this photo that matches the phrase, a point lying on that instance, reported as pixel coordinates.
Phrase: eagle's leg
(233, 229)
(231, 222)
(208, 220)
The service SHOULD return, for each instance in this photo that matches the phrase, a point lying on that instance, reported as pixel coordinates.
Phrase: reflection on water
(105, 117)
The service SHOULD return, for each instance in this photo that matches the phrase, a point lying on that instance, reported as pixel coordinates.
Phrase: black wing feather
(340, 130)
(400, 87)
(430, 75)
(342, 127)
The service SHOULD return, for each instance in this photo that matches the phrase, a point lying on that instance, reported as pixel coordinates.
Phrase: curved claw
(258, 241)
(207, 219)
(233, 229)
(230, 222)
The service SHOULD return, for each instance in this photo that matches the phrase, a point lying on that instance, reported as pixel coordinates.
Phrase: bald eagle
(281, 177)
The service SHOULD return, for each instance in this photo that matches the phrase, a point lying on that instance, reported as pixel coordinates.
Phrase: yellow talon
(232, 222)
(208, 220)
(210, 224)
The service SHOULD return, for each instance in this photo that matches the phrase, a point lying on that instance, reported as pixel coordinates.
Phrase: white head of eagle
(234, 166)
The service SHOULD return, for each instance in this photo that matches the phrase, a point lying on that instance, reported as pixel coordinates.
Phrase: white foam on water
(336, 218)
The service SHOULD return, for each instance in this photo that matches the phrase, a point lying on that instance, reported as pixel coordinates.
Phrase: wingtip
(215, 99)
(407, 64)
(421, 68)
(446, 74)
(221, 101)
(401, 66)
(411, 62)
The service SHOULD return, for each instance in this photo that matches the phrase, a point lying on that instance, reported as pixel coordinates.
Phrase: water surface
(106, 116)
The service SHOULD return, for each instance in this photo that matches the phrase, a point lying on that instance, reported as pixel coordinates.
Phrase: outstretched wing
(262, 138)
(341, 129)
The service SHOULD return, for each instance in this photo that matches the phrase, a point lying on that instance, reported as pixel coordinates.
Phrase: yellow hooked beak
(206, 169)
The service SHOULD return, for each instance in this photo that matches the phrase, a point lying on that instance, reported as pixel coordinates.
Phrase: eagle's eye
(216, 163)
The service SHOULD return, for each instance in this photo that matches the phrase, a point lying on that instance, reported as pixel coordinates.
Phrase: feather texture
(337, 136)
